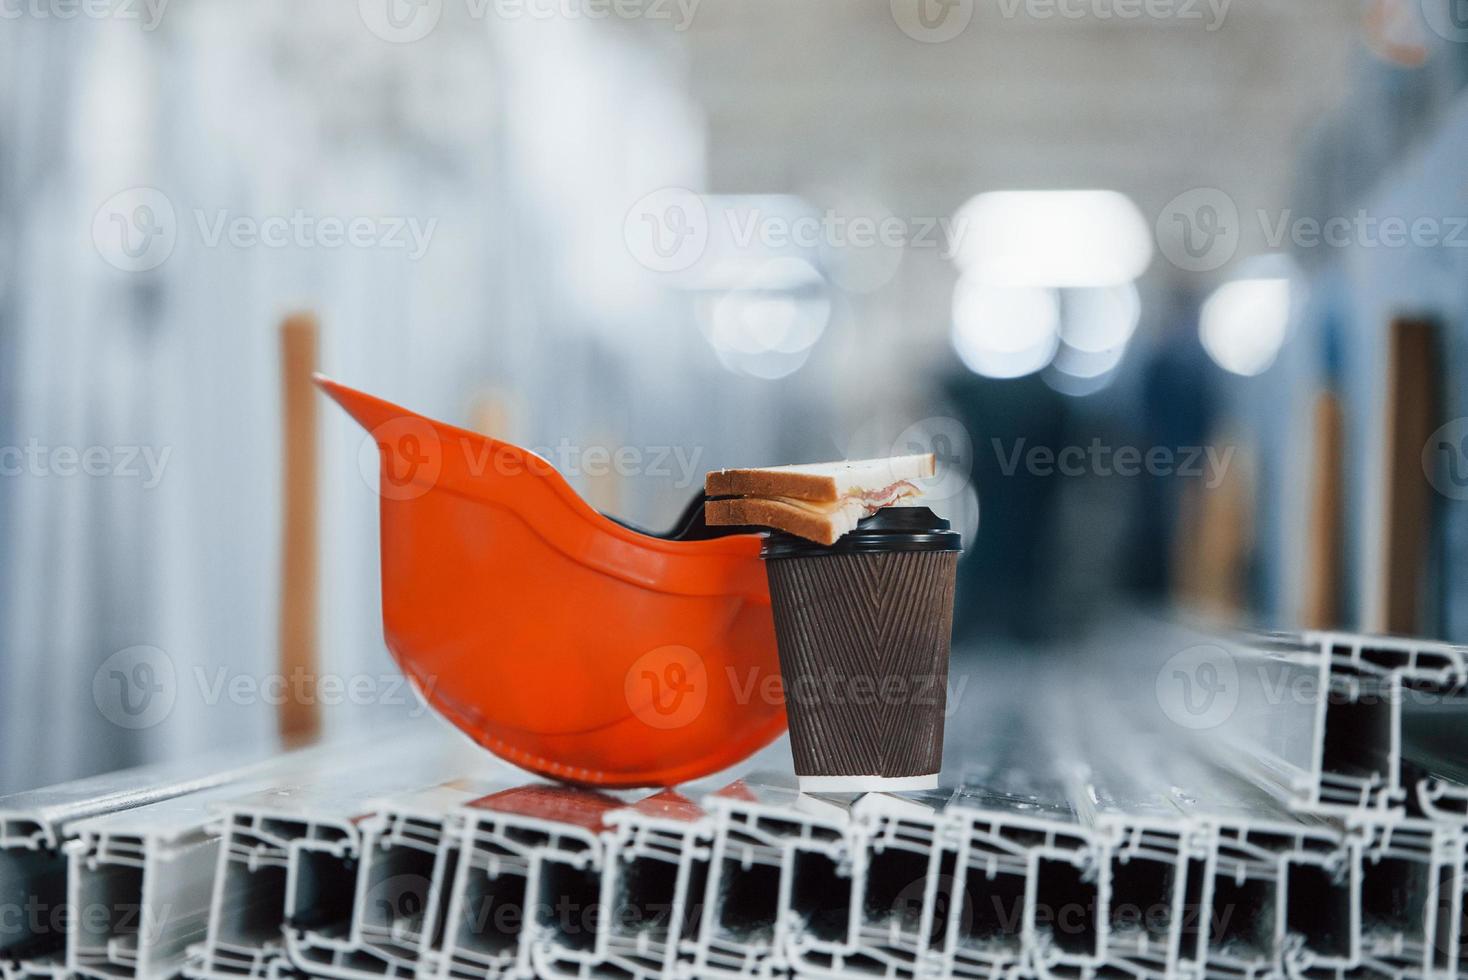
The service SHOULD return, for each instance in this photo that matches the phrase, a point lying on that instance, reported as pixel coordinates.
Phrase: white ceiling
(803, 94)
(831, 99)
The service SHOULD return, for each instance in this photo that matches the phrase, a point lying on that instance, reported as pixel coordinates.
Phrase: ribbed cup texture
(864, 642)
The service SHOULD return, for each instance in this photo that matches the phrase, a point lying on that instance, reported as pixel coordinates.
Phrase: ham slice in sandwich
(817, 501)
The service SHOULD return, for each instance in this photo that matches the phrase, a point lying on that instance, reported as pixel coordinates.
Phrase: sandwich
(816, 501)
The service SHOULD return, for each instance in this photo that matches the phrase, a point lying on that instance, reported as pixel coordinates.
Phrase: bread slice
(826, 482)
(825, 528)
(819, 502)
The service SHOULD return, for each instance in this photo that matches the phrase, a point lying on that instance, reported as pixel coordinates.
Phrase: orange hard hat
(557, 638)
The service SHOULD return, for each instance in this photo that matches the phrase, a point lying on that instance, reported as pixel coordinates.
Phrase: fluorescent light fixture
(1052, 239)
(1005, 332)
(1244, 322)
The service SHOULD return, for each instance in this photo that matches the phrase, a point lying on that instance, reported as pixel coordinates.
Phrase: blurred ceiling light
(1079, 373)
(766, 326)
(1074, 387)
(1052, 239)
(1243, 324)
(746, 232)
(1084, 363)
(767, 366)
(1005, 332)
(786, 272)
(1100, 319)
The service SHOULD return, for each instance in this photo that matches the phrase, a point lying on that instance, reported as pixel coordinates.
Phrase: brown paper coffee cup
(864, 629)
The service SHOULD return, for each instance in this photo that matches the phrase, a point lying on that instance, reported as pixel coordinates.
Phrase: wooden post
(1213, 542)
(1411, 411)
(300, 712)
(1323, 553)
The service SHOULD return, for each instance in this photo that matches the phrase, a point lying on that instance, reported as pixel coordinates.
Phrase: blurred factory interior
(1175, 290)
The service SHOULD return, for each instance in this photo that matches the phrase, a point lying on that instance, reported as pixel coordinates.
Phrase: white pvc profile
(780, 872)
(528, 885)
(34, 827)
(994, 926)
(1321, 716)
(1412, 898)
(289, 856)
(897, 846)
(139, 886)
(656, 872)
(407, 850)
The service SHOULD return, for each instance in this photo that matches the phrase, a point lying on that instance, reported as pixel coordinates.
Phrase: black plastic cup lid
(889, 529)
